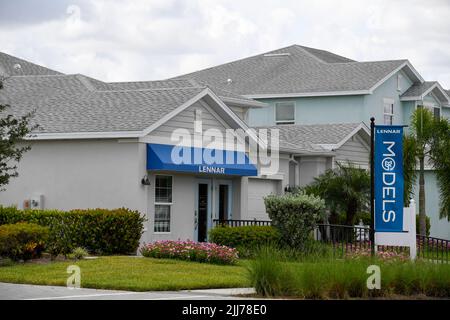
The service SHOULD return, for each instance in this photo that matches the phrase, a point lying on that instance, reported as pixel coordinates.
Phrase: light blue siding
(345, 109)
(374, 103)
(445, 112)
(440, 228)
(339, 109)
(408, 109)
(314, 110)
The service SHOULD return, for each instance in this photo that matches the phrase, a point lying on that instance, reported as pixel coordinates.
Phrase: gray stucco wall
(79, 174)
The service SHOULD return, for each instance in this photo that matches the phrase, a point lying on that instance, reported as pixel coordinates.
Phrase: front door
(223, 202)
(202, 211)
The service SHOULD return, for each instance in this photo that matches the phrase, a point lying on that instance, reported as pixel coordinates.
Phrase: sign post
(372, 186)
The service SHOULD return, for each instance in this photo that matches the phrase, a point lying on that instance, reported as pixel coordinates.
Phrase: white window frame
(285, 121)
(390, 102)
(431, 106)
(399, 82)
(169, 204)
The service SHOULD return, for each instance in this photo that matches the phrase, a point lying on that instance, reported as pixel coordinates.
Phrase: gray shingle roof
(179, 83)
(295, 70)
(310, 138)
(416, 90)
(9, 67)
(64, 103)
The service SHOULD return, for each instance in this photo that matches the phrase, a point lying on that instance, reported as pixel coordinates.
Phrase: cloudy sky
(155, 39)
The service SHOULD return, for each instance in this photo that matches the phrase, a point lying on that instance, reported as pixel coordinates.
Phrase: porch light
(145, 181)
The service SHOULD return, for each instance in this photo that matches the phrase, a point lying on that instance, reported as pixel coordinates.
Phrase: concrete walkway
(10, 291)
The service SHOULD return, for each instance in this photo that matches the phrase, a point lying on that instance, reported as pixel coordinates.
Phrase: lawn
(130, 273)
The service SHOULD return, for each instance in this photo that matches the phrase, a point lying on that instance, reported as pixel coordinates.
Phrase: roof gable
(298, 71)
(318, 138)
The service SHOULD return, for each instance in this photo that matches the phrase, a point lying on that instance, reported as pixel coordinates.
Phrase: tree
(344, 189)
(12, 131)
(440, 158)
(409, 167)
(418, 149)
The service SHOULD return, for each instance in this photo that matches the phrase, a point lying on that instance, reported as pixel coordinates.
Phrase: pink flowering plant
(190, 250)
(382, 254)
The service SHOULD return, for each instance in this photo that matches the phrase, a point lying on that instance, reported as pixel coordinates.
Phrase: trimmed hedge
(22, 241)
(244, 237)
(295, 216)
(100, 231)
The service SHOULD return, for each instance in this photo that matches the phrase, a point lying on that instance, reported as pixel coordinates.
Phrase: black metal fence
(240, 223)
(434, 249)
(348, 240)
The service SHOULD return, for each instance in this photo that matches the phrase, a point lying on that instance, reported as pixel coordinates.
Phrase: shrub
(78, 253)
(295, 216)
(244, 237)
(22, 241)
(189, 250)
(103, 231)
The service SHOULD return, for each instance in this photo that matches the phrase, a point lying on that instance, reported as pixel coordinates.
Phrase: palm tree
(345, 188)
(440, 158)
(417, 147)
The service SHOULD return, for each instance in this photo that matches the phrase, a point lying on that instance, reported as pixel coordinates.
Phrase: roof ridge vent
(277, 54)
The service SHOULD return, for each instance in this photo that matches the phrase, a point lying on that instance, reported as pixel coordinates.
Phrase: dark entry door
(202, 210)
(223, 201)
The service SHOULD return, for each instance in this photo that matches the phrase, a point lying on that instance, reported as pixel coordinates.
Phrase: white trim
(84, 135)
(391, 103)
(361, 126)
(405, 64)
(238, 120)
(173, 113)
(428, 91)
(243, 103)
(170, 204)
(306, 94)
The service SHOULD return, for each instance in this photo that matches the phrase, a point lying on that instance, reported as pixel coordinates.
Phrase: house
(302, 85)
(112, 145)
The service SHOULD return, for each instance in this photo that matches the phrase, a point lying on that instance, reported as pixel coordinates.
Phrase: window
(436, 111)
(285, 113)
(399, 82)
(388, 111)
(163, 203)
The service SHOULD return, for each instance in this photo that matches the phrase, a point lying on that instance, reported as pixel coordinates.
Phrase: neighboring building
(302, 85)
(109, 145)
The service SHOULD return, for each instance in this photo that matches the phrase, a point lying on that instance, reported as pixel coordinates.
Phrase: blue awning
(199, 160)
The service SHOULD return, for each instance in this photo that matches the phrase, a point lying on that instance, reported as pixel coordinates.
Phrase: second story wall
(312, 110)
(388, 91)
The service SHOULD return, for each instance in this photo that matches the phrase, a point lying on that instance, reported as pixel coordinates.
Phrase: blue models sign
(388, 178)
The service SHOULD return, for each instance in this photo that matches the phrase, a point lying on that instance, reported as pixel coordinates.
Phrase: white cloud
(142, 40)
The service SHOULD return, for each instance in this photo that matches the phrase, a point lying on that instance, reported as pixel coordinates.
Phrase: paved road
(9, 291)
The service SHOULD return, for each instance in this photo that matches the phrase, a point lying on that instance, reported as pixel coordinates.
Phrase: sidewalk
(10, 291)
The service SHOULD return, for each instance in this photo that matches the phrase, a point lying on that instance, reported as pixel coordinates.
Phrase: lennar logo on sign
(388, 179)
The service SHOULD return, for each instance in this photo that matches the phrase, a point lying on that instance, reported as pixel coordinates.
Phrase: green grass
(130, 273)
